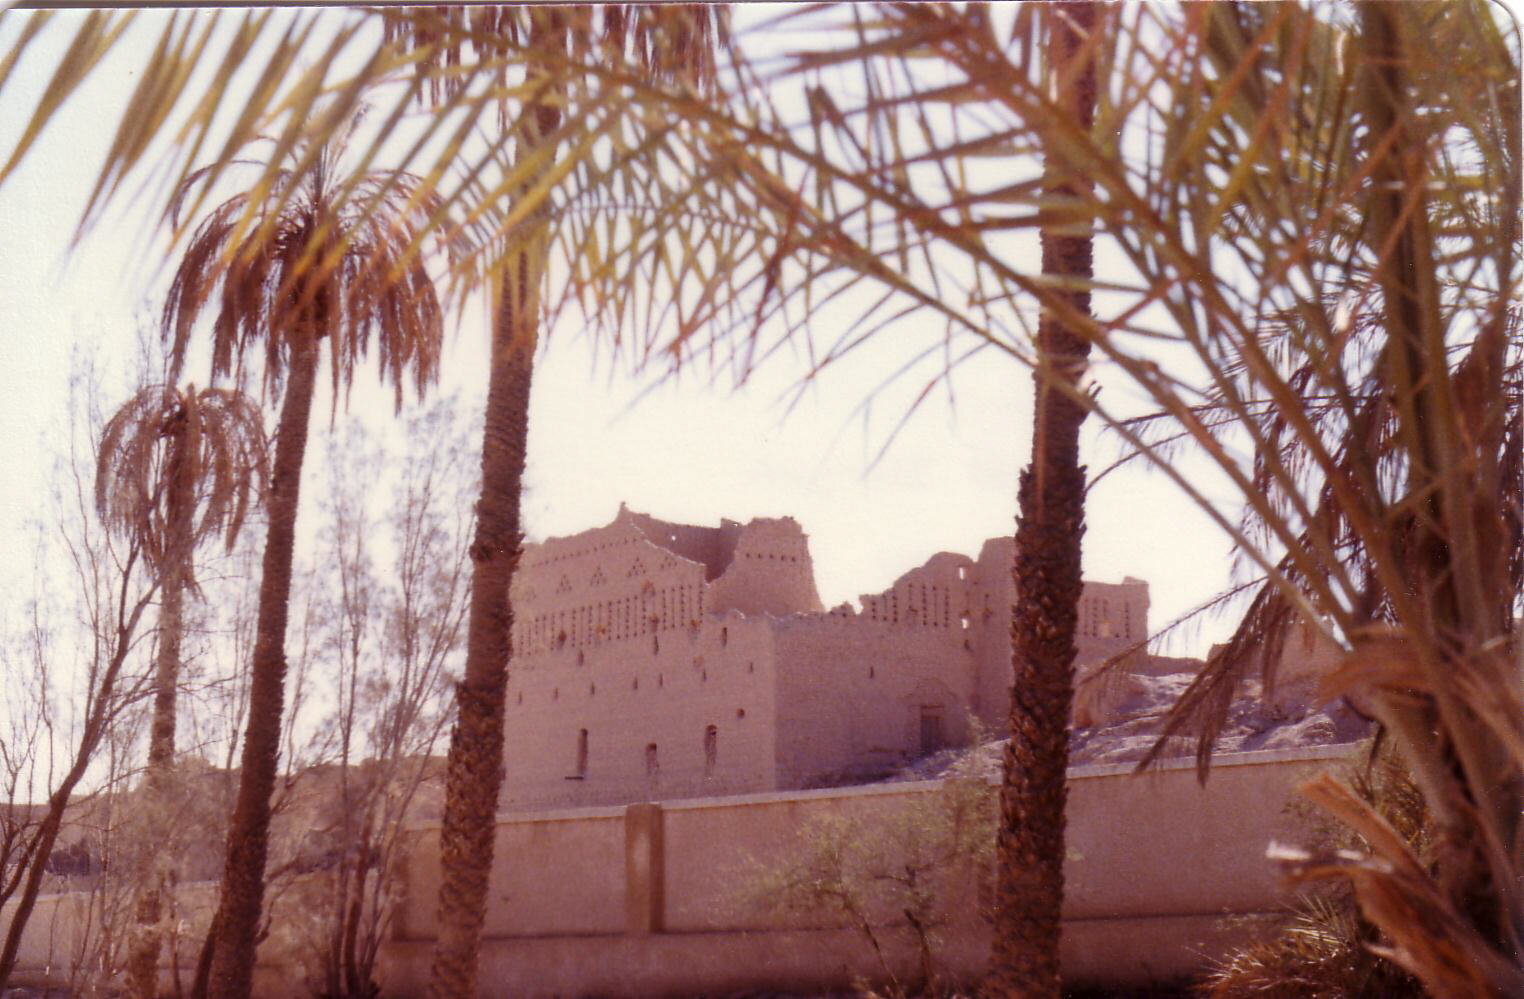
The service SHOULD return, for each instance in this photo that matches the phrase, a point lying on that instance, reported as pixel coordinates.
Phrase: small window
(711, 749)
(655, 644)
(582, 754)
(724, 636)
(653, 767)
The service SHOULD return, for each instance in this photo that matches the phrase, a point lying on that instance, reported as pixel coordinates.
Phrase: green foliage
(919, 862)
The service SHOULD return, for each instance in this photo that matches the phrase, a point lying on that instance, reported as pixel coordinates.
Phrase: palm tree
(674, 42)
(1387, 434)
(1281, 163)
(307, 268)
(175, 468)
(1029, 889)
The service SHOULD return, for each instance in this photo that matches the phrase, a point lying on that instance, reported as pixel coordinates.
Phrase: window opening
(711, 749)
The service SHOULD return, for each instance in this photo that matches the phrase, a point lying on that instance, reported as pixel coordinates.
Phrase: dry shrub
(1326, 947)
(908, 867)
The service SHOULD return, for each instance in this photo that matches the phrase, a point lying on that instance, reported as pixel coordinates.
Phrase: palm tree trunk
(243, 885)
(143, 955)
(179, 510)
(1051, 497)
(474, 770)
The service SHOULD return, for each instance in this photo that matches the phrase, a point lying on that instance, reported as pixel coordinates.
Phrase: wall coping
(610, 812)
(777, 797)
(1251, 758)
(1258, 757)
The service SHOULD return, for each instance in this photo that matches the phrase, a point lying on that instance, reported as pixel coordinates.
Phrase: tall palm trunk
(237, 919)
(143, 957)
(1051, 497)
(474, 772)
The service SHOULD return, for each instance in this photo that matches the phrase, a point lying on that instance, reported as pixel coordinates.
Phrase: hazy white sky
(684, 452)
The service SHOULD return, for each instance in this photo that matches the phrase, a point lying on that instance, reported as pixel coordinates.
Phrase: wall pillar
(644, 869)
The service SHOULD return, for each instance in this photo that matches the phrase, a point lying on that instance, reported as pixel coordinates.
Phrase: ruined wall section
(607, 584)
(861, 693)
(991, 598)
(713, 547)
(1113, 618)
(935, 595)
(858, 698)
(770, 572)
(672, 714)
(1303, 657)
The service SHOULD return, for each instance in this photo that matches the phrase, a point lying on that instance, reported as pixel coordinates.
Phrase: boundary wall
(1162, 875)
